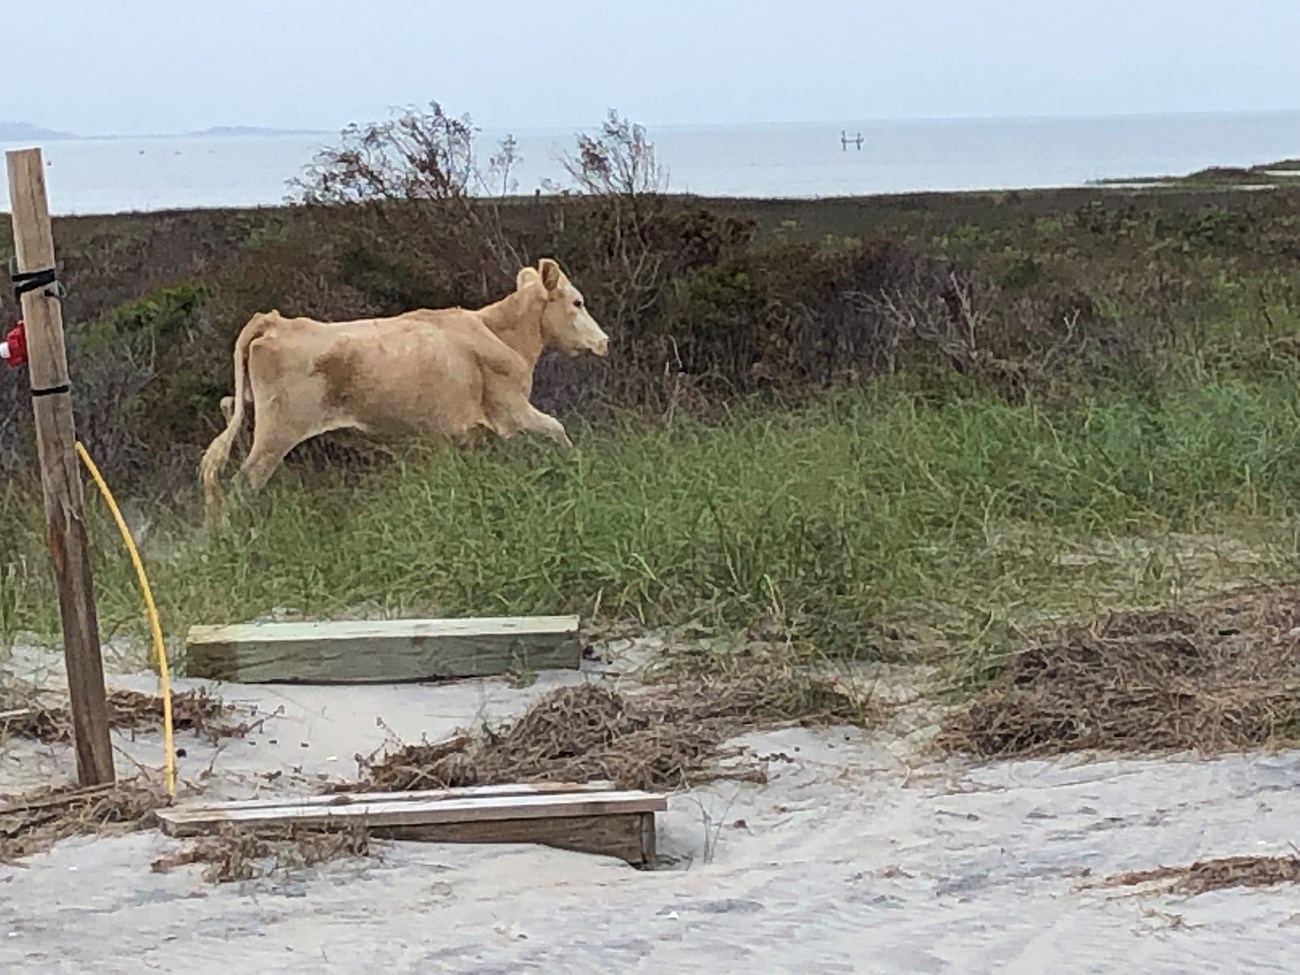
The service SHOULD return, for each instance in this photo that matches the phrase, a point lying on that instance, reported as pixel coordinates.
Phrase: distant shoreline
(1186, 188)
(13, 131)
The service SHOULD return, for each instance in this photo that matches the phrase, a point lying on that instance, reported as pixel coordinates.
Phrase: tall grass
(965, 522)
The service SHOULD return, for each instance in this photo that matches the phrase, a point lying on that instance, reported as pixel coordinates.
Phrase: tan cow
(450, 374)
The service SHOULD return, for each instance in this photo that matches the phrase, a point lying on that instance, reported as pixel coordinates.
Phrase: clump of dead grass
(1220, 676)
(668, 737)
(1209, 875)
(195, 711)
(33, 822)
(242, 854)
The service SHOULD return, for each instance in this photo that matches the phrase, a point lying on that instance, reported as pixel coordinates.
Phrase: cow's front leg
(521, 415)
(548, 426)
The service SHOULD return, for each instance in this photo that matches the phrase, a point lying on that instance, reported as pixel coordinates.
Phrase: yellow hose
(151, 611)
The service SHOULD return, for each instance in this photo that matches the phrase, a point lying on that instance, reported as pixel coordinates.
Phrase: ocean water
(797, 160)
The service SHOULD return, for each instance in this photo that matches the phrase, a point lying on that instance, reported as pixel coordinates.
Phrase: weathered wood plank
(382, 651)
(337, 800)
(629, 837)
(179, 821)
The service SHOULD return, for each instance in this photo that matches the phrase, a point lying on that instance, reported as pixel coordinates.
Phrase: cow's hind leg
(270, 446)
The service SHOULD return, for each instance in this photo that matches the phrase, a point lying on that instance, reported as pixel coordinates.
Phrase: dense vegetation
(871, 423)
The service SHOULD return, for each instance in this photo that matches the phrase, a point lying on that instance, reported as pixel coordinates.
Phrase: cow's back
(418, 372)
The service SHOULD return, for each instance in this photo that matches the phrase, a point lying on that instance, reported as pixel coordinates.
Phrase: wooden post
(60, 476)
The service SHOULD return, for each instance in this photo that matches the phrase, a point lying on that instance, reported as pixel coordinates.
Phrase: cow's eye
(577, 302)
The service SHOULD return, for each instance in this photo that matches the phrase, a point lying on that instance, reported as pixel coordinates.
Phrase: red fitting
(13, 347)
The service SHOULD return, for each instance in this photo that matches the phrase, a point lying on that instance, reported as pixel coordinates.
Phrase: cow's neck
(517, 321)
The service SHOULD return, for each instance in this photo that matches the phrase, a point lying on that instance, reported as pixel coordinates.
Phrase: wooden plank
(340, 799)
(55, 799)
(629, 837)
(56, 439)
(178, 822)
(382, 651)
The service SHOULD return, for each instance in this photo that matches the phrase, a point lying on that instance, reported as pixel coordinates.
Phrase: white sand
(846, 861)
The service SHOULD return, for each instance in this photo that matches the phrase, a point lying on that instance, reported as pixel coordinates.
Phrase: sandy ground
(853, 858)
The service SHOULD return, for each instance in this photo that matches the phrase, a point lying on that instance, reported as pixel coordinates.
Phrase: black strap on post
(51, 390)
(26, 281)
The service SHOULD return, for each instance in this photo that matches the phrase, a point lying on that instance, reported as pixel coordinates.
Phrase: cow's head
(567, 326)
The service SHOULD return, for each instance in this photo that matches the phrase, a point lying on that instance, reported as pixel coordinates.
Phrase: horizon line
(217, 130)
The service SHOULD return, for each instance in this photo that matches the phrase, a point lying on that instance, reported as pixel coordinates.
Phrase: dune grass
(963, 524)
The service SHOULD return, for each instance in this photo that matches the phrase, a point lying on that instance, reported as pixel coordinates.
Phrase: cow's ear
(525, 277)
(550, 272)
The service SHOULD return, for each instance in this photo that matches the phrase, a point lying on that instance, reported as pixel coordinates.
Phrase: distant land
(250, 130)
(26, 132)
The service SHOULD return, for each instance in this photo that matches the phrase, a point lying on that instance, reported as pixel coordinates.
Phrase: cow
(450, 374)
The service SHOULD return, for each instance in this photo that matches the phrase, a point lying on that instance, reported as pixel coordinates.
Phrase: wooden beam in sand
(585, 819)
(384, 651)
(200, 811)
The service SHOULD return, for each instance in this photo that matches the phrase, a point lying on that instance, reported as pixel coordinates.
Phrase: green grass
(968, 523)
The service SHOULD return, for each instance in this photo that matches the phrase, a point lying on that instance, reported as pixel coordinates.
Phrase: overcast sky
(150, 66)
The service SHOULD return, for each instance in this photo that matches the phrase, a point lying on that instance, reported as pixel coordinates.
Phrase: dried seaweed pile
(1207, 875)
(1217, 677)
(194, 711)
(34, 822)
(244, 855)
(666, 738)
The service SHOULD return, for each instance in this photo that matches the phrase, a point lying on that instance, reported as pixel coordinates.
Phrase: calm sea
(805, 160)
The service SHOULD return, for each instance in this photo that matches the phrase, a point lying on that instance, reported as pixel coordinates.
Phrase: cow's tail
(218, 452)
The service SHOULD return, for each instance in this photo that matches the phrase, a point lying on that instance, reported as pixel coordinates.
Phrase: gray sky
(148, 66)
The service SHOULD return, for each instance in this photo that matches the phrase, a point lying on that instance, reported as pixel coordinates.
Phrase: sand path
(846, 861)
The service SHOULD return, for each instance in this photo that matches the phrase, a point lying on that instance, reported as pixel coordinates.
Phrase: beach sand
(855, 856)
